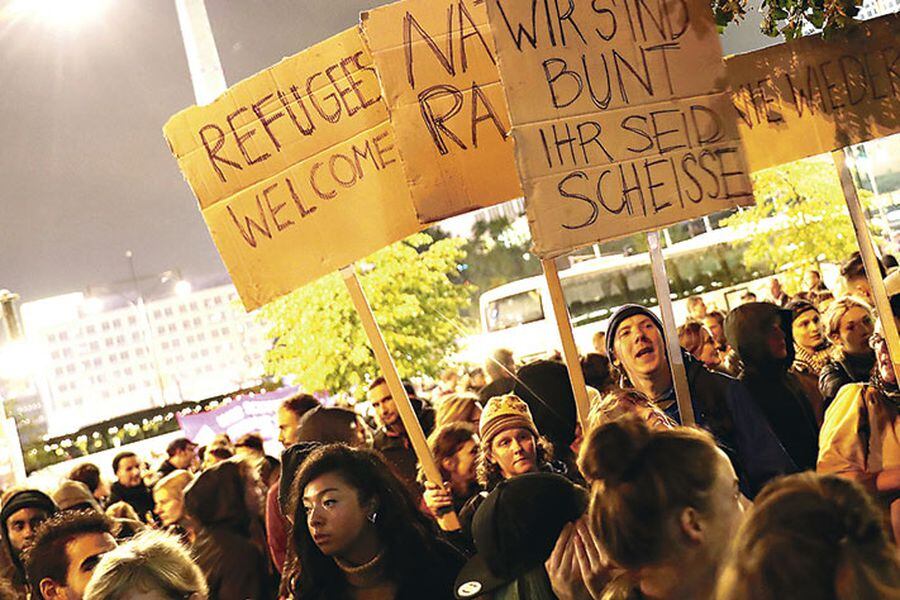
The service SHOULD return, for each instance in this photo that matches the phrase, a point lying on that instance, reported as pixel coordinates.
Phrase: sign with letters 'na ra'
(815, 95)
(619, 114)
(438, 71)
(296, 169)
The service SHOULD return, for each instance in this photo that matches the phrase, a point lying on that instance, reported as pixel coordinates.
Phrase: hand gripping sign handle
(570, 350)
(870, 261)
(676, 362)
(448, 521)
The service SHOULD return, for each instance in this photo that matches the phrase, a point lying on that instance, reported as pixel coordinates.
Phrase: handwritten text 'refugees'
(301, 120)
(638, 126)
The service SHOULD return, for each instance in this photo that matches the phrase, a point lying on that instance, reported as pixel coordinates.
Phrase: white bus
(519, 316)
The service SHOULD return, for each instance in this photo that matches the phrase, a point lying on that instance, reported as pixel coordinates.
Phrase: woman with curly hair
(363, 535)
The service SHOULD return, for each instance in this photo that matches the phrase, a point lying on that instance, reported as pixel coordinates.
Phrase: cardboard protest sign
(814, 95)
(438, 71)
(296, 169)
(619, 114)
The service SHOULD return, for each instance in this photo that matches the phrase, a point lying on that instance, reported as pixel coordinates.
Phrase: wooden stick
(670, 332)
(448, 521)
(570, 350)
(870, 261)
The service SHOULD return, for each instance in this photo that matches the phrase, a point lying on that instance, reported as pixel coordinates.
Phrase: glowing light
(63, 14)
(93, 305)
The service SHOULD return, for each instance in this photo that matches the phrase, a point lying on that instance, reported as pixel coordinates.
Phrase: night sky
(86, 173)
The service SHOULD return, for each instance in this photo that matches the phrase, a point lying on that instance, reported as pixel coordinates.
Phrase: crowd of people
(786, 486)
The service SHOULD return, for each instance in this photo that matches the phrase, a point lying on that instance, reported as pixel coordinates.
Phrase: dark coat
(231, 558)
(723, 406)
(140, 498)
(843, 370)
(774, 389)
(397, 449)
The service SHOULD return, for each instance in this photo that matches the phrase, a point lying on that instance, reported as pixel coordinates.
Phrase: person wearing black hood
(637, 349)
(762, 335)
(229, 544)
(21, 512)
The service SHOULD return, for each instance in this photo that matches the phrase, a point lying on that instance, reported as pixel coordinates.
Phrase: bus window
(518, 309)
(595, 296)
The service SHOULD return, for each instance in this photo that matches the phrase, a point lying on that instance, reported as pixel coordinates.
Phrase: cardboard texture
(296, 169)
(812, 95)
(437, 67)
(620, 116)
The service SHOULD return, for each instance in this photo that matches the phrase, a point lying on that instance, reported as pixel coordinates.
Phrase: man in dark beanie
(21, 511)
(637, 350)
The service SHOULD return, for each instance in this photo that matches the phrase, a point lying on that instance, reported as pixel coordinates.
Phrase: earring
(372, 517)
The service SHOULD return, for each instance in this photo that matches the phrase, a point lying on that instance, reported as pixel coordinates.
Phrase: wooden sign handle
(670, 332)
(448, 521)
(870, 261)
(570, 350)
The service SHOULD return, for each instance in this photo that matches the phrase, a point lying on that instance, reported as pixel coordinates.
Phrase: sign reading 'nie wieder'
(814, 95)
(438, 70)
(296, 169)
(620, 116)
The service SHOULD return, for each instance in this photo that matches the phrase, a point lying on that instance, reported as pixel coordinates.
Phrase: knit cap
(502, 413)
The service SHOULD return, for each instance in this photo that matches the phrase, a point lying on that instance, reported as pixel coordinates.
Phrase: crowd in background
(788, 486)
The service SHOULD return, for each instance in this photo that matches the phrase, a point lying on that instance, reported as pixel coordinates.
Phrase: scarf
(889, 392)
(813, 362)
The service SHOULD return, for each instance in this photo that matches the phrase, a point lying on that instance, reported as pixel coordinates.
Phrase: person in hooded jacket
(228, 538)
(762, 335)
(21, 512)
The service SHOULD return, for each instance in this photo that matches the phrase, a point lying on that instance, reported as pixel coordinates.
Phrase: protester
(664, 507)
(596, 371)
(762, 335)
(168, 496)
(21, 512)
(363, 535)
(66, 549)
(501, 371)
(636, 347)
(455, 408)
(475, 380)
(813, 282)
(130, 486)
(860, 438)
(214, 456)
(89, 475)
(849, 326)
(693, 337)
(628, 402)
(855, 282)
(74, 495)
(598, 341)
(229, 544)
(122, 510)
(454, 447)
(515, 530)
(748, 296)
(182, 454)
(812, 352)
(696, 308)
(777, 295)
(151, 565)
(545, 387)
(391, 438)
(250, 447)
(809, 536)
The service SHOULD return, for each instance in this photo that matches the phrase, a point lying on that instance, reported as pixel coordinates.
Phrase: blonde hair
(457, 408)
(617, 404)
(175, 481)
(152, 560)
(836, 312)
(122, 510)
